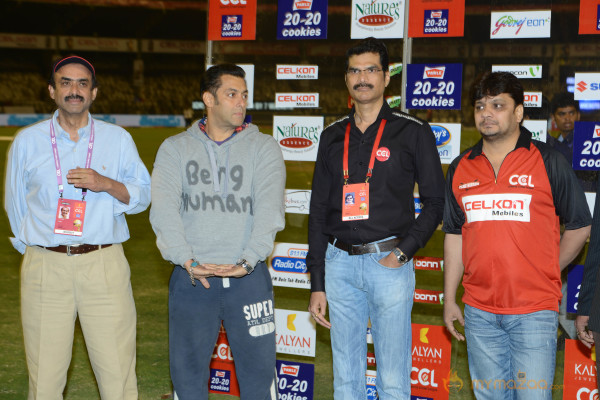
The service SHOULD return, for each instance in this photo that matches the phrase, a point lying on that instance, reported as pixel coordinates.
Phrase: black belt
(77, 249)
(365, 248)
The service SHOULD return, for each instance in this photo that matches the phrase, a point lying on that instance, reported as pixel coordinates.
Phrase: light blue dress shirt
(31, 190)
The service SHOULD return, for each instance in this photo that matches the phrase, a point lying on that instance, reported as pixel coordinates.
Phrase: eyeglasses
(357, 72)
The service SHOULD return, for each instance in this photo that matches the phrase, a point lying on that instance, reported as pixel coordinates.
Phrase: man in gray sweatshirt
(217, 203)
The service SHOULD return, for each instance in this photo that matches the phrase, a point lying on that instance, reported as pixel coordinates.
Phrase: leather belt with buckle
(77, 249)
(365, 248)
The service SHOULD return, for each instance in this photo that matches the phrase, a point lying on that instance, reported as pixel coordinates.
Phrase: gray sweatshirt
(217, 217)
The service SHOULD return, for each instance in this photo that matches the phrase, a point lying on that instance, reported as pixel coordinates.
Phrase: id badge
(355, 202)
(69, 217)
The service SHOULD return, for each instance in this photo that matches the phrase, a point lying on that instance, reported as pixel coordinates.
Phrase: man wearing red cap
(73, 264)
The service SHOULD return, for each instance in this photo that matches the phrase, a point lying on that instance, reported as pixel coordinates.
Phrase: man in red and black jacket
(504, 198)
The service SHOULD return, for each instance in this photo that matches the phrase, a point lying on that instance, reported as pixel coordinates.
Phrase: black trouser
(247, 311)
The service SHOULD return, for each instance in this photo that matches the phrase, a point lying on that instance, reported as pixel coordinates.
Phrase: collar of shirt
(567, 140)
(384, 112)
(202, 126)
(524, 141)
(60, 132)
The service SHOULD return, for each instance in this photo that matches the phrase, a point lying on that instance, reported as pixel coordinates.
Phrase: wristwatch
(402, 258)
(244, 264)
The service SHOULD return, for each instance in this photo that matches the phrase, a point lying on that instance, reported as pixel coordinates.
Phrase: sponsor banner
(574, 278)
(434, 86)
(369, 334)
(371, 362)
(371, 381)
(395, 69)
(223, 378)
(296, 100)
(520, 24)
(587, 86)
(296, 332)
(586, 146)
(532, 99)
(297, 201)
(428, 296)
(437, 18)
(129, 120)
(428, 263)
(394, 101)
(295, 380)
(287, 265)
(447, 140)
(499, 206)
(232, 20)
(430, 374)
(520, 71)
(297, 71)
(589, 17)
(97, 44)
(172, 46)
(580, 377)
(298, 137)
(249, 70)
(23, 119)
(591, 201)
(538, 128)
(301, 19)
(431, 350)
(418, 204)
(23, 41)
(383, 19)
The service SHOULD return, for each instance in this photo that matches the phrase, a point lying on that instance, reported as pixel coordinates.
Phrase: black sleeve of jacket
(569, 198)
(592, 263)
(430, 177)
(454, 218)
(319, 200)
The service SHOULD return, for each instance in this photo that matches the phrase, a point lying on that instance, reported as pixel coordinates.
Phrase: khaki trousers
(55, 289)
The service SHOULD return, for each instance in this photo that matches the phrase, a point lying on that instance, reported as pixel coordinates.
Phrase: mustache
(74, 97)
(362, 84)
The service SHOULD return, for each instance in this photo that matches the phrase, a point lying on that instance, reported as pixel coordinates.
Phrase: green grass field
(150, 275)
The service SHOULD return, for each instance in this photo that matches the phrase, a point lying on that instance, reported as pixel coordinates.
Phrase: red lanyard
(346, 171)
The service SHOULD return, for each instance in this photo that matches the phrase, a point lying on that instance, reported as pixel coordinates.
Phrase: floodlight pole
(209, 50)
(406, 56)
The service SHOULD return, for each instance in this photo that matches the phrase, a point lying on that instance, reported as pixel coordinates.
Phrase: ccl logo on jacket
(521, 180)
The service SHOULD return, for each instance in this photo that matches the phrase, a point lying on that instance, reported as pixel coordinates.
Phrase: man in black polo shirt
(360, 252)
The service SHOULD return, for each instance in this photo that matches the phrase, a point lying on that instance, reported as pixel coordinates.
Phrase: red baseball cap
(77, 60)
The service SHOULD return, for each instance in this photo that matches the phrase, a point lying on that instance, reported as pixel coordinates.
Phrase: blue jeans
(511, 356)
(358, 287)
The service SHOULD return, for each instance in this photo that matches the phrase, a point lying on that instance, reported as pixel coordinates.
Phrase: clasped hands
(203, 271)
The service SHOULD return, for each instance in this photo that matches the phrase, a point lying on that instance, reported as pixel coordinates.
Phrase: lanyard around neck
(346, 171)
(88, 159)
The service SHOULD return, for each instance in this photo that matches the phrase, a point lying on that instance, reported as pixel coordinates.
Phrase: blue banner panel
(301, 19)
(295, 380)
(574, 278)
(586, 146)
(433, 86)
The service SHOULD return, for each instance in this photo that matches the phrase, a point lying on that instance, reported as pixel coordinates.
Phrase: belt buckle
(69, 249)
